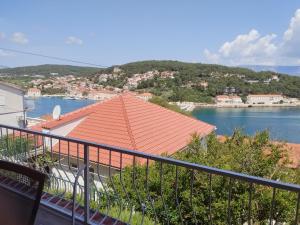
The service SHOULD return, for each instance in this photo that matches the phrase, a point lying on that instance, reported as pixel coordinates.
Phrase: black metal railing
(121, 186)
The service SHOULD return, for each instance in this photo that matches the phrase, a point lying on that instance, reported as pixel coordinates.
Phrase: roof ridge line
(79, 110)
(127, 123)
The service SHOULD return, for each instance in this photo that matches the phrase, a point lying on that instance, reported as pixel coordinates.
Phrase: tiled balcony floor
(50, 213)
(48, 216)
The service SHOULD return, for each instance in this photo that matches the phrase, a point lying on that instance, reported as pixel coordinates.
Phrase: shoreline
(66, 97)
(244, 105)
(187, 106)
(191, 106)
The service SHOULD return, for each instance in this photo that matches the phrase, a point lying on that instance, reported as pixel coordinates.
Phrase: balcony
(100, 184)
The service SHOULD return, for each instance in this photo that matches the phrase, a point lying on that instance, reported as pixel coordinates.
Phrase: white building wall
(11, 106)
(264, 99)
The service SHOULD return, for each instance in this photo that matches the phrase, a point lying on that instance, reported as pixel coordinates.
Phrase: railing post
(86, 185)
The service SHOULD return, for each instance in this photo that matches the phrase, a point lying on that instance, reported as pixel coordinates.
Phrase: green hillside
(48, 69)
(185, 86)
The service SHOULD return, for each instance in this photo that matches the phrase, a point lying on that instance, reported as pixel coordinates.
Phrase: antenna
(56, 112)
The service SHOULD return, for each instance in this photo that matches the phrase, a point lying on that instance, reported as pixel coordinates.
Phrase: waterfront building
(265, 99)
(101, 95)
(12, 105)
(34, 92)
(228, 99)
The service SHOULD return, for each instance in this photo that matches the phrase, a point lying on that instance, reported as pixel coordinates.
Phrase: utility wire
(52, 57)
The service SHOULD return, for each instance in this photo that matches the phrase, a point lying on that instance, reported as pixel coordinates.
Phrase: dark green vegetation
(163, 200)
(186, 84)
(164, 103)
(48, 69)
(22, 82)
(254, 155)
(15, 146)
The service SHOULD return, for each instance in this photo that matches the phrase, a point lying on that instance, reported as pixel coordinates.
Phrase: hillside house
(34, 92)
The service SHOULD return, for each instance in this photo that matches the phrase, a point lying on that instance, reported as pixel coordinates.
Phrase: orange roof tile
(128, 122)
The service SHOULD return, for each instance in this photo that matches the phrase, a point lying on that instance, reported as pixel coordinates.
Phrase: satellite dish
(56, 112)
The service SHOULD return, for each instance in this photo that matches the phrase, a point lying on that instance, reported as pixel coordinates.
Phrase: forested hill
(187, 83)
(169, 65)
(48, 69)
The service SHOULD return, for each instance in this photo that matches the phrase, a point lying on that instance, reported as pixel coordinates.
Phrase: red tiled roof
(128, 122)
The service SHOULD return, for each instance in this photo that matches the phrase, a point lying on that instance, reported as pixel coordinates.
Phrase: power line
(52, 57)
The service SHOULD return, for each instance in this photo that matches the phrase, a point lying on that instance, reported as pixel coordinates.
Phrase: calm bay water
(44, 105)
(282, 123)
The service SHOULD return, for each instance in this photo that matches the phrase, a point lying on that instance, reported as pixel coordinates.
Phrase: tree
(85, 93)
(162, 102)
(15, 147)
(254, 155)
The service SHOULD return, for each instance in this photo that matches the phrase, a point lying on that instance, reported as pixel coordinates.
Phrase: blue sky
(112, 32)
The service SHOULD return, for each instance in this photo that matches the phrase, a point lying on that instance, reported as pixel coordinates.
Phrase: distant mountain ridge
(290, 70)
(47, 69)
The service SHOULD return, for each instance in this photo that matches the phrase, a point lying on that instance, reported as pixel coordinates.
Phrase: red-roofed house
(34, 92)
(125, 121)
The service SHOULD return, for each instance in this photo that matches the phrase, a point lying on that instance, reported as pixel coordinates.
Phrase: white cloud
(254, 48)
(211, 57)
(291, 37)
(19, 38)
(293, 27)
(241, 42)
(71, 40)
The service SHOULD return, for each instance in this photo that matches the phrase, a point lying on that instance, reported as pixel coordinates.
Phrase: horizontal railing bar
(211, 170)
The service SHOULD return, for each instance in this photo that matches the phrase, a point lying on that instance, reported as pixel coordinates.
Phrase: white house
(145, 96)
(265, 99)
(12, 105)
(34, 92)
